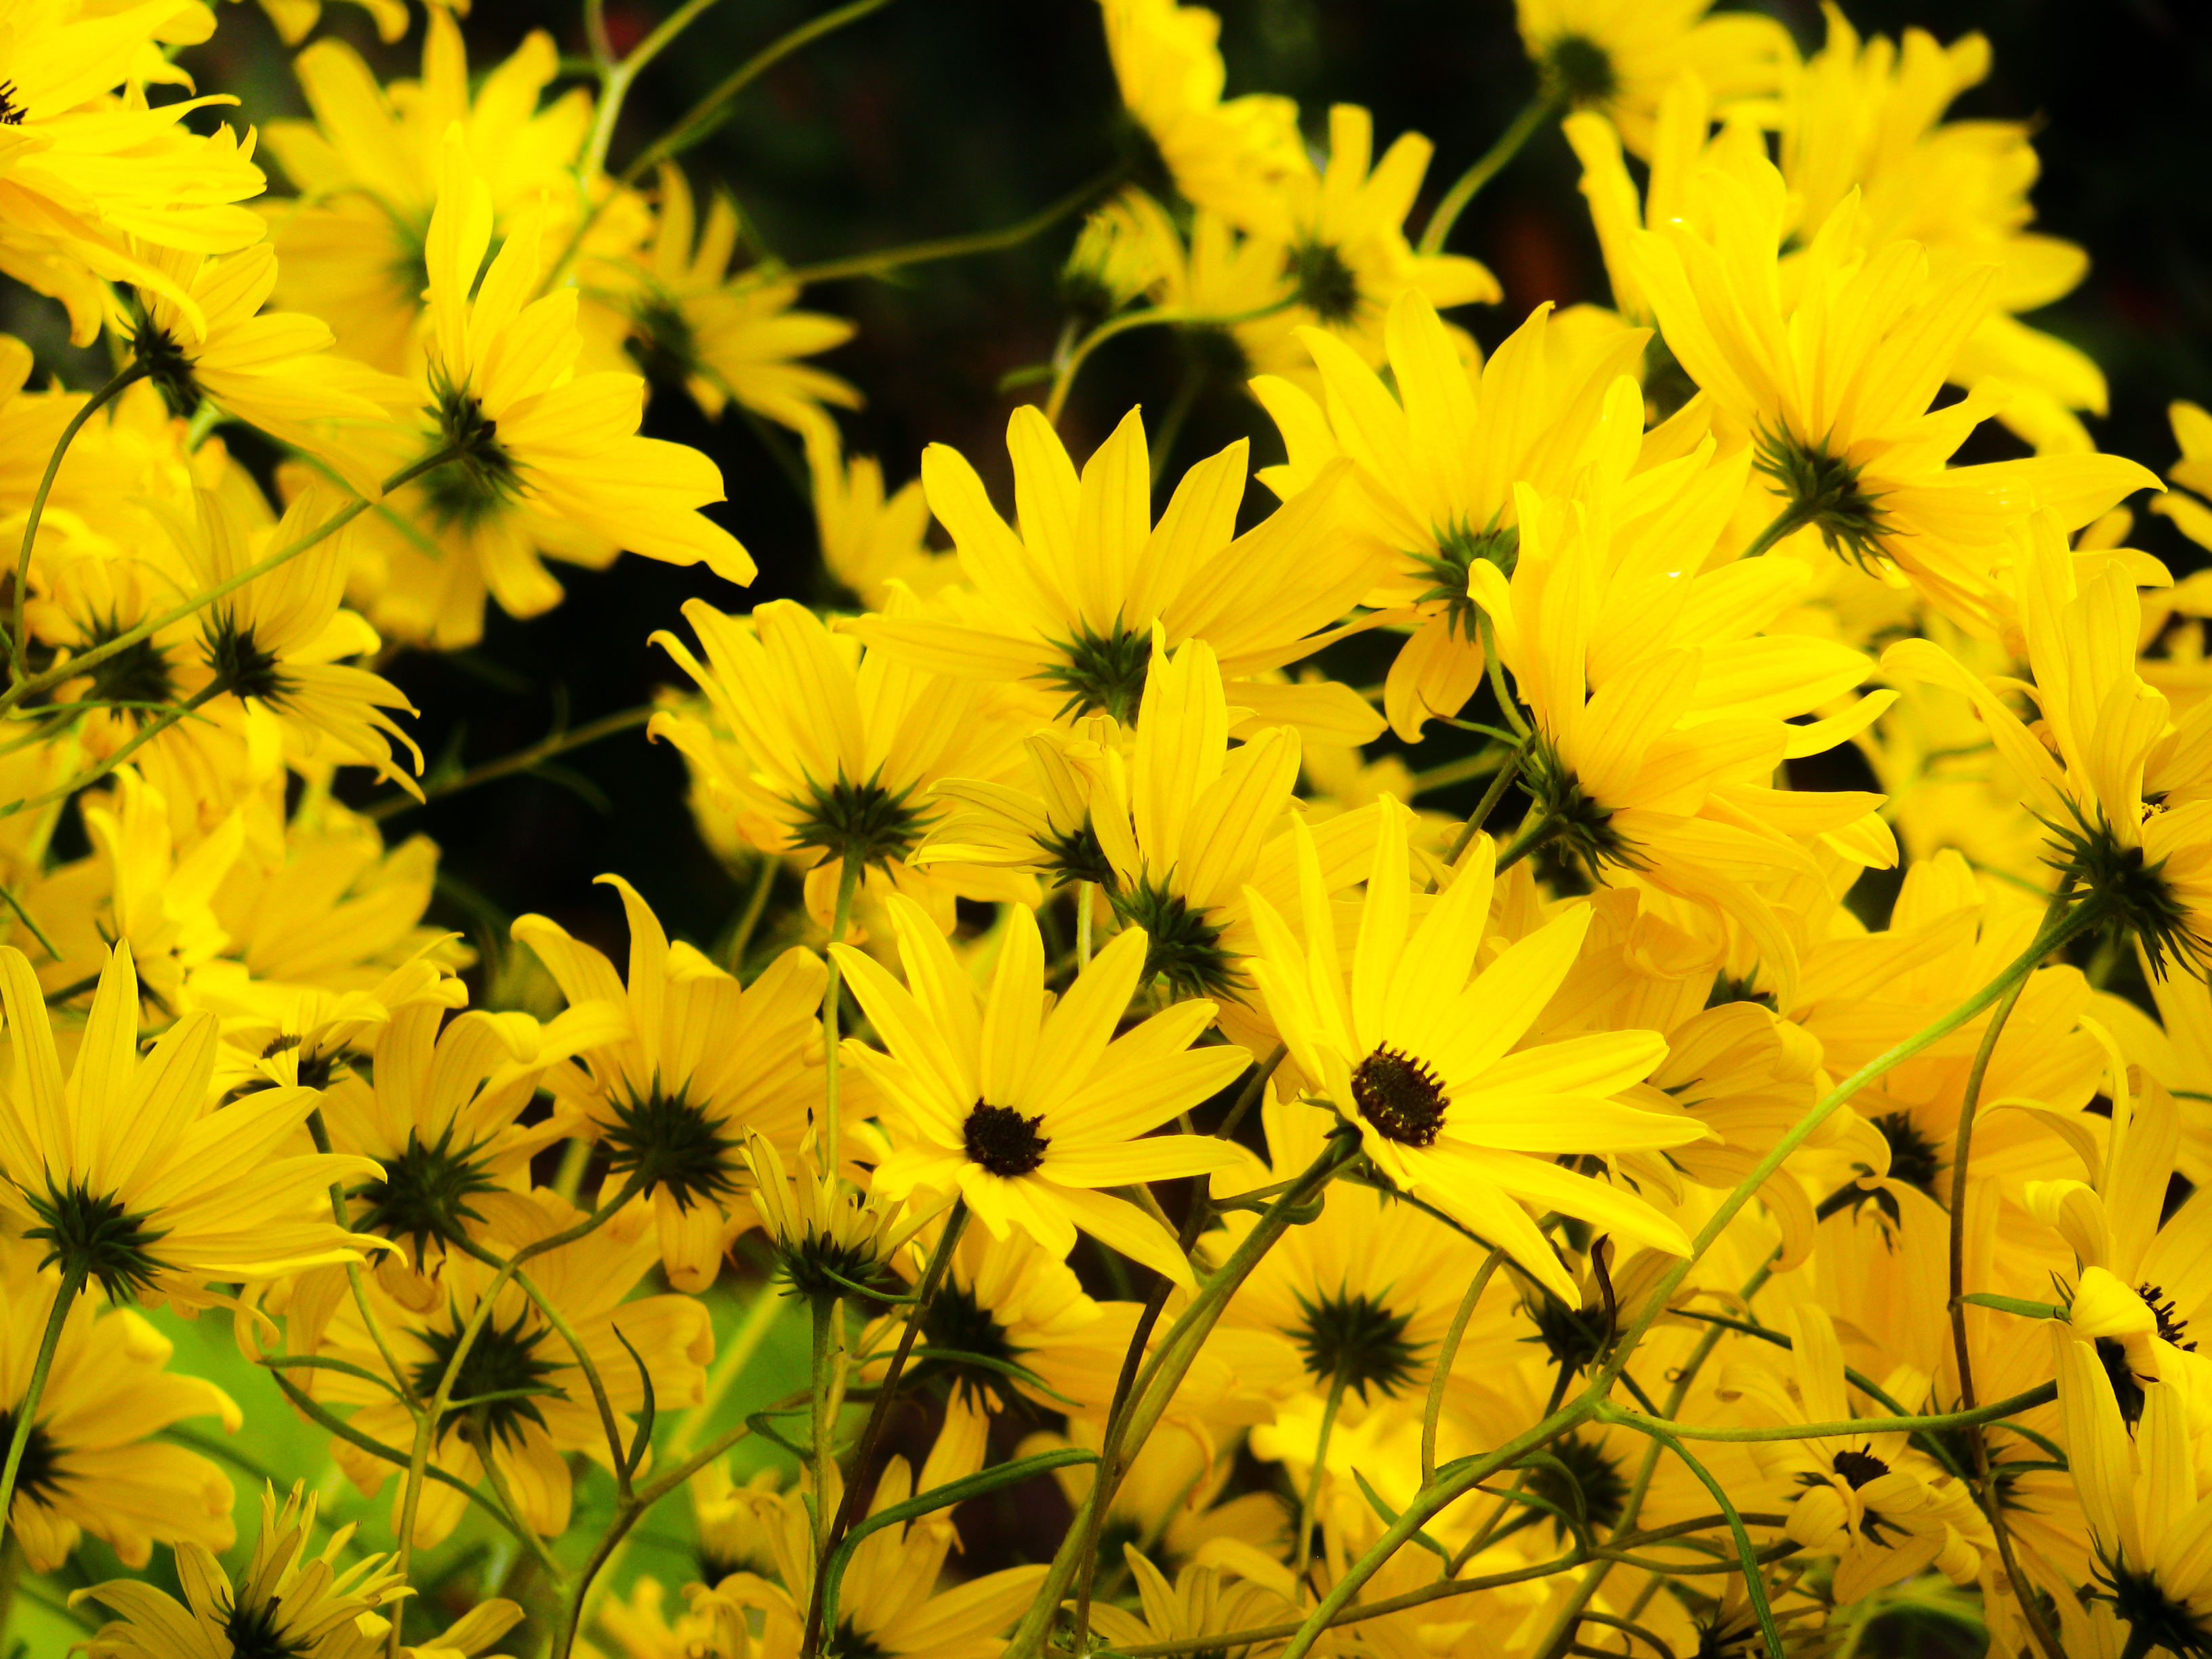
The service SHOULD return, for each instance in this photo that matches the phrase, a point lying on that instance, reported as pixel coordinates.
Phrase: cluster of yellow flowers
(1617, 1219)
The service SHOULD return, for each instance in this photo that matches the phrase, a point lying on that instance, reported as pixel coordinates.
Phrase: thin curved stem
(74, 666)
(1842, 1429)
(1486, 168)
(507, 765)
(18, 644)
(848, 882)
(123, 752)
(2083, 916)
(1488, 804)
(703, 117)
(27, 1408)
(1063, 379)
(1445, 1356)
(1304, 1554)
(1977, 1445)
(940, 1263)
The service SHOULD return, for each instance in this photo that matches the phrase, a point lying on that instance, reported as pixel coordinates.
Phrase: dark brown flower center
(1003, 1141)
(1859, 1467)
(1400, 1097)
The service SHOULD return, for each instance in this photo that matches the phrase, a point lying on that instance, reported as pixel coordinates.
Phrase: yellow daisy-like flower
(532, 435)
(1342, 230)
(1438, 462)
(274, 644)
(869, 539)
(288, 1601)
(90, 1464)
(889, 1601)
(1884, 1508)
(548, 1411)
(273, 370)
(2123, 791)
(831, 750)
(130, 1173)
(701, 1061)
(1837, 388)
(720, 335)
(1226, 157)
(1027, 1113)
(368, 167)
(1069, 602)
(1620, 55)
(84, 172)
(1417, 1052)
(437, 1114)
(2148, 1509)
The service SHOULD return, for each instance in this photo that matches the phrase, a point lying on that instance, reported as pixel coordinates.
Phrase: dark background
(935, 116)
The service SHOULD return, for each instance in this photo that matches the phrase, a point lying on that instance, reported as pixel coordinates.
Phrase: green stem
(729, 1364)
(1787, 523)
(848, 881)
(1486, 168)
(1063, 381)
(139, 739)
(940, 1263)
(27, 1408)
(480, 1438)
(17, 643)
(618, 78)
(1842, 1429)
(73, 667)
(1156, 1384)
(1962, 1152)
(427, 1426)
(1488, 804)
(1430, 1501)
(703, 117)
(820, 1454)
(1314, 1479)
(1445, 1357)
(1082, 905)
(1528, 841)
(1754, 1583)
(756, 906)
(521, 761)
(1509, 707)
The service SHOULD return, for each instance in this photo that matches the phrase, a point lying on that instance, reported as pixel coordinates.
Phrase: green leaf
(643, 1438)
(2013, 1304)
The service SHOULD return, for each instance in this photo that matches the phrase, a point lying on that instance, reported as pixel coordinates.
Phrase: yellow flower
(1417, 1054)
(1882, 1508)
(129, 1172)
(2123, 793)
(1029, 1115)
(1342, 230)
(288, 1601)
(832, 751)
(535, 440)
(1437, 466)
(90, 1464)
(1202, 1601)
(1069, 602)
(1226, 158)
(2148, 1510)
(1619, 56)
(369, 167)
(1865, 115)
(273, 645)
(1126, 251)
(870, 540)
(528, 1434)
(274, 370)
(889, 1601)
(1837, 389)
(87, 170)
(437, 1114)
(721, 335)
(701, 1061)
